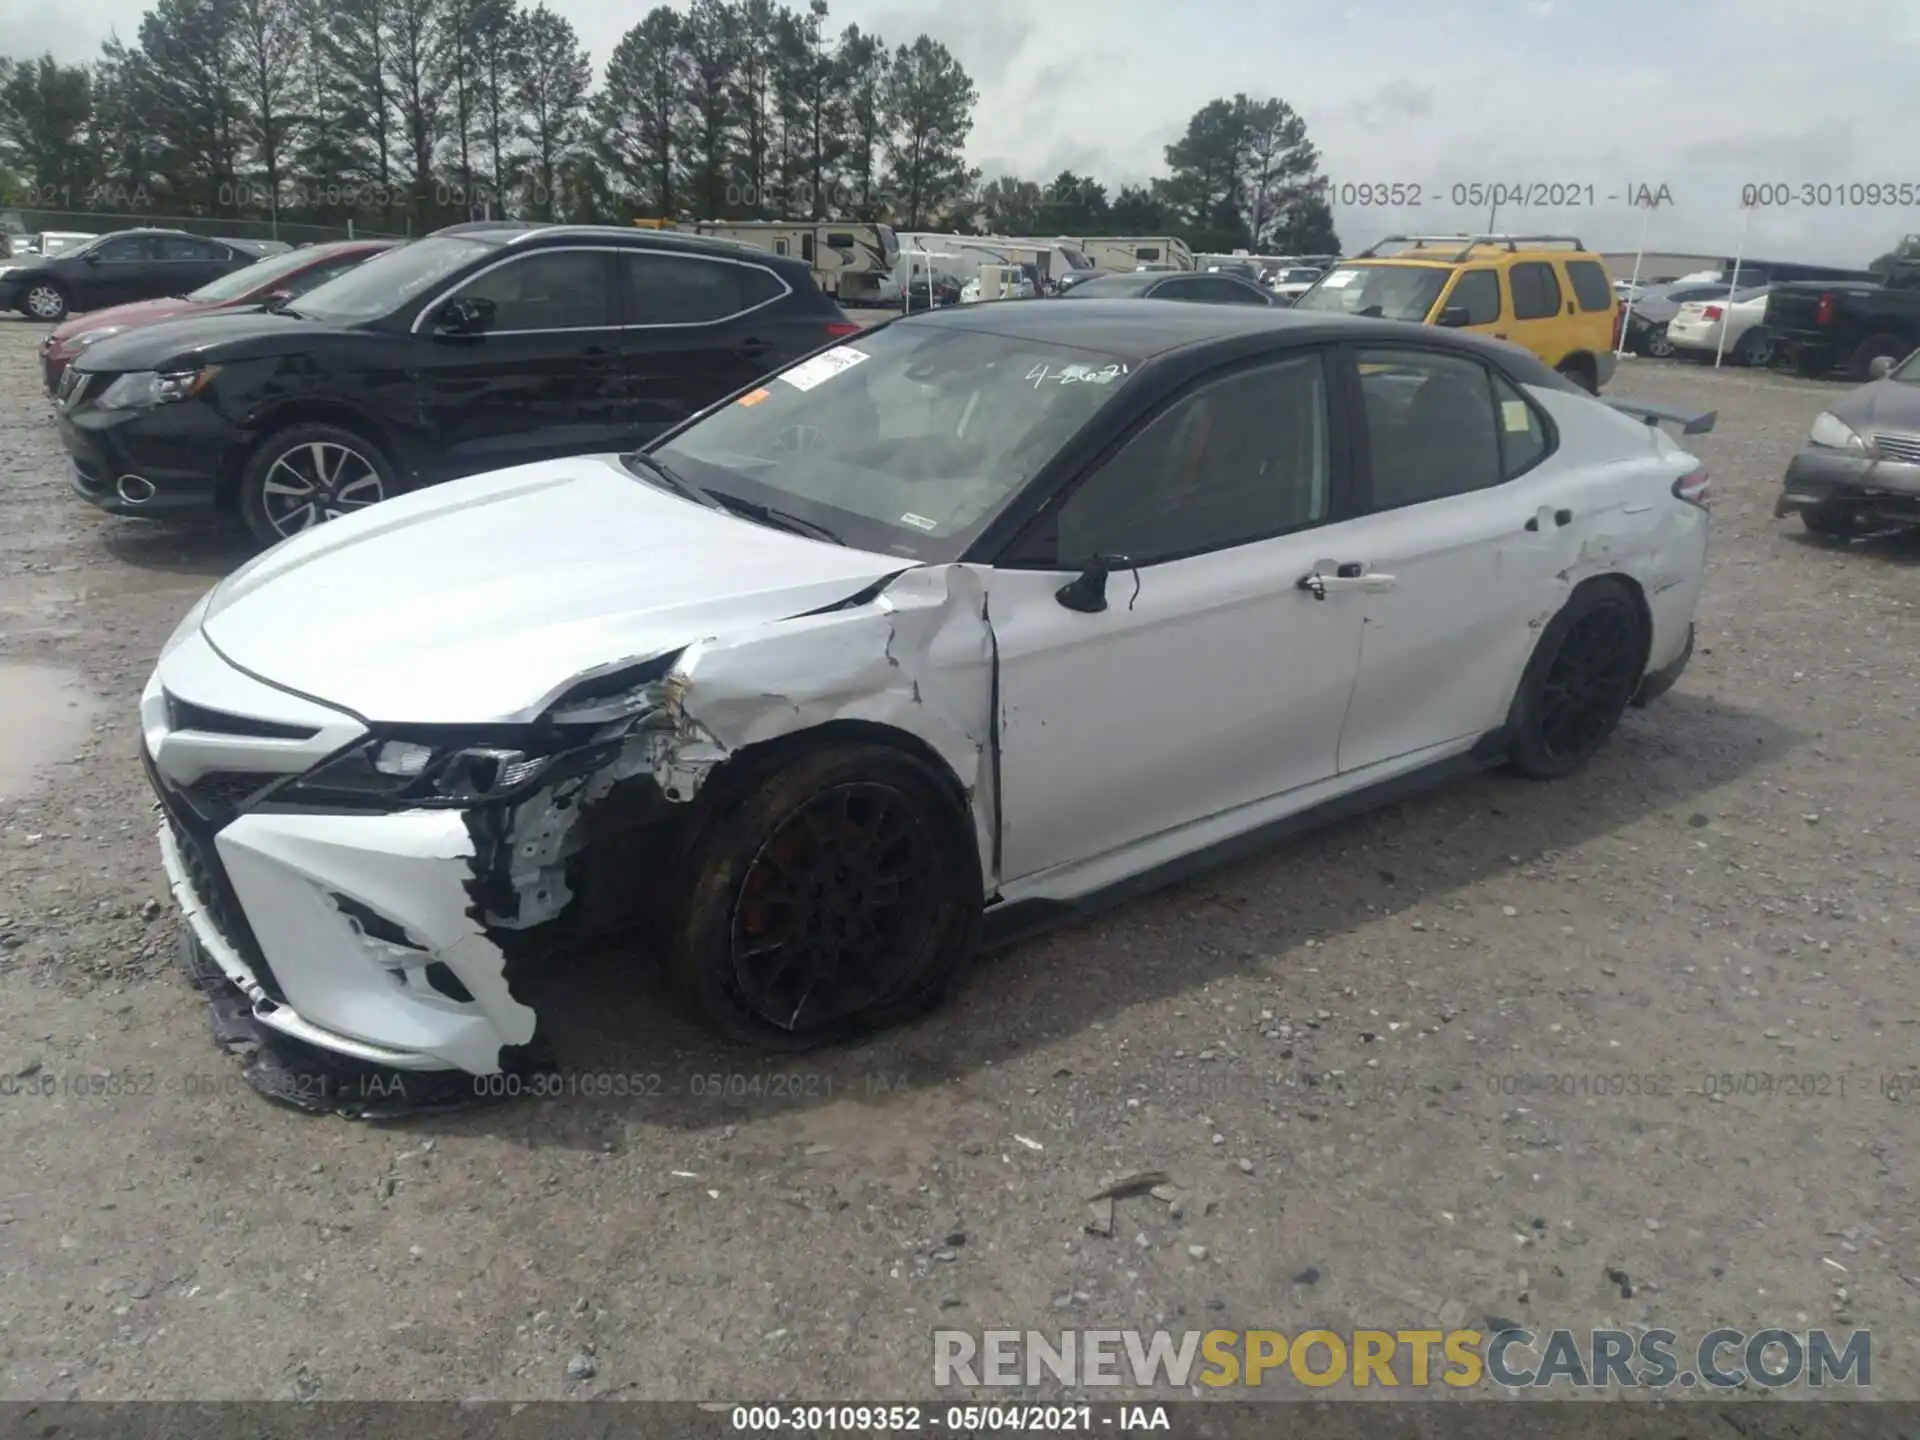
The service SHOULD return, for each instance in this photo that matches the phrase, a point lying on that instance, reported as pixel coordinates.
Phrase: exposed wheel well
(746, 765)
(302, 412)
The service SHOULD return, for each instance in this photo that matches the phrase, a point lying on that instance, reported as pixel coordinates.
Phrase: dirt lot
(1336, 1051)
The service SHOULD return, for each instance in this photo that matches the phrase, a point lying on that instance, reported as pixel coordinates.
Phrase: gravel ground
(1332, 1049)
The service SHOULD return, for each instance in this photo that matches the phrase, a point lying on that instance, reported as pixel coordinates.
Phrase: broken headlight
(392, 771)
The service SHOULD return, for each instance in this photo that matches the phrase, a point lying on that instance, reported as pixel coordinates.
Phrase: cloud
(1701, 98)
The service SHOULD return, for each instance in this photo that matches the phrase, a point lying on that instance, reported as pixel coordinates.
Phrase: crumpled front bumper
(353, 933)
(1820, 476)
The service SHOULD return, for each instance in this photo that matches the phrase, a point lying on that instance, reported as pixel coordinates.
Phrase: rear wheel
(1657, 344)
(46, 301)
(1582, 676)
(1860, 366)
(1755, 348)
(1579, 369)
(834, 894)
(308, 474)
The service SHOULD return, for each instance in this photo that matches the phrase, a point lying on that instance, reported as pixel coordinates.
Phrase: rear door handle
(1347, 577)
(754, 349)
(1560, 517)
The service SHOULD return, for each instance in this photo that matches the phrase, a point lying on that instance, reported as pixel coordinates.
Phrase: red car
(286, 275)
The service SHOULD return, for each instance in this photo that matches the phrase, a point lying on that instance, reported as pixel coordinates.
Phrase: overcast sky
(1699, 96)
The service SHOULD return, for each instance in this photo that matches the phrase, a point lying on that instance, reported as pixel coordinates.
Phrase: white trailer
(1126, 253)
(851, 260)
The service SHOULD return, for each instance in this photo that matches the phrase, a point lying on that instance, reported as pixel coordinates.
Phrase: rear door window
(1536, 290)
(1590, 285)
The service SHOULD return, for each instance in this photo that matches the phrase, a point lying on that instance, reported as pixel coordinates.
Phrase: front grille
(1898, 447)
(220, 793)
(193, 835)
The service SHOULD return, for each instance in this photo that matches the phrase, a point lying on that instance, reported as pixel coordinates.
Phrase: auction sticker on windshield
(823, 367)
(1340, 279)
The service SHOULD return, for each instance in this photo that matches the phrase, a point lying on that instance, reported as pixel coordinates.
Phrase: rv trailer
(851, 259)
(1127, 253)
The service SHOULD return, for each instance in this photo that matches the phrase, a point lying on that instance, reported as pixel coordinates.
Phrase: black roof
(1138, 330)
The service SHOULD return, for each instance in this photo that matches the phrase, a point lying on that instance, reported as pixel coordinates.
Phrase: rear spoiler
(1689, 423)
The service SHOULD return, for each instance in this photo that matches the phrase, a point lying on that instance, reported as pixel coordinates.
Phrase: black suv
(478, 347)
(115, 269)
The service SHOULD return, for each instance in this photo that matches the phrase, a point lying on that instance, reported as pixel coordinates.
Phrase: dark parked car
(1860, 467)
(114, 269)
(287, 275)
(477, 348)
(1819, 325)
(1074, 279)
(1206, 289)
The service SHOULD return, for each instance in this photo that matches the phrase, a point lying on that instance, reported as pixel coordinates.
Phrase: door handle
(1560, 517)
(1318, 585)
(754, 349)
(1499, 334)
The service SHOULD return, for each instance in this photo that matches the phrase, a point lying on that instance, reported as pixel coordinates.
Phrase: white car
(964, 625)
(1294, 281)
(1695, 328)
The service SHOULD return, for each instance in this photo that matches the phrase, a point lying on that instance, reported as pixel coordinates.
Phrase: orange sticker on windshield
(755, 397)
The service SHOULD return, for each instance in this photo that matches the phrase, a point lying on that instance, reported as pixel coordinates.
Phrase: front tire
(824, 898)
(308, 474)
(1831, 522)
(46, 301)
(1582, 676)
(1658, 346)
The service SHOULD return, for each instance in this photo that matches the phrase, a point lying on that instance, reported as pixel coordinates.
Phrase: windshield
(905, 441)
(1382, 292)
(390, 280)
(233, 285)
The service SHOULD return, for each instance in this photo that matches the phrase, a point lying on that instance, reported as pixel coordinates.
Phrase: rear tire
(1860, 366)
(1755, 349)
(1580, 370)
(842, 878)
(1583, 674)
(1657, 344)
(308, 474)
(45, 301)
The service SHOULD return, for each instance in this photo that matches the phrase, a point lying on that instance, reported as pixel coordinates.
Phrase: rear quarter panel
(1619, 484)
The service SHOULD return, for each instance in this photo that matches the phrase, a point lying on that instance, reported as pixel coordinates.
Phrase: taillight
(1695, 489)
(1711, 312)
(840, 329)
(1823, 313)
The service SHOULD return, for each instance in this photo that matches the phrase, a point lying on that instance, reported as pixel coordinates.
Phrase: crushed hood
(1881, 405)
(474, 601)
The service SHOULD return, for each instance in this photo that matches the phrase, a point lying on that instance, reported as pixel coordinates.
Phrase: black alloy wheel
(1580, 681)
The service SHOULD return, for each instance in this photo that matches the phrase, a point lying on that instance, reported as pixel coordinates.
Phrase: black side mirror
(92, 257)
(279, 300)
(1456, 316)
(469, 316)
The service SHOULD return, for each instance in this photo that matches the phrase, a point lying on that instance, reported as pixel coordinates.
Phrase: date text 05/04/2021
(1524, 194)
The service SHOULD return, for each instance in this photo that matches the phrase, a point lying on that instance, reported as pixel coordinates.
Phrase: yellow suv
(1548, 293)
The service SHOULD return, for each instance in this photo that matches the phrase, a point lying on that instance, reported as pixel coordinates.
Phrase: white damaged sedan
(968, 623)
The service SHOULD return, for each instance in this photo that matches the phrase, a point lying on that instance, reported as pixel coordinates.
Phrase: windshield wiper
(767, 515)
(637, 460)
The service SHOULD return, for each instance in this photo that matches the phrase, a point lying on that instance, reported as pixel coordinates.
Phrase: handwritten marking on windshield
(1041, 373)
